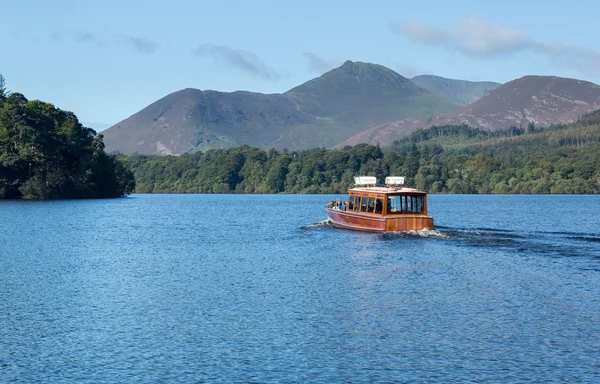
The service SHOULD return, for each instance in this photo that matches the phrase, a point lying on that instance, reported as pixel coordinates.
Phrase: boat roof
(386, 190)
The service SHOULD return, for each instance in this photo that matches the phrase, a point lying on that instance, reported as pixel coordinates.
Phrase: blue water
(230, 288)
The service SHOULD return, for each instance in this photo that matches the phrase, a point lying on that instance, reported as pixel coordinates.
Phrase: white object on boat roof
(394, 180)
(365, 180)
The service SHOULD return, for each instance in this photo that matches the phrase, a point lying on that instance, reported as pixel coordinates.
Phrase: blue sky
(106, 60)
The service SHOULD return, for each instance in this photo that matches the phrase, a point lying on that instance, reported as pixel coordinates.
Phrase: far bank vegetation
(563, 159)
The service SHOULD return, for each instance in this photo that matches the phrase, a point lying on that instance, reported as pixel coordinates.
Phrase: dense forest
(45, 153)
(450, 159)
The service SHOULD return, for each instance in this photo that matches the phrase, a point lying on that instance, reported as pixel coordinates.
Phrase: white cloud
(475, 37)
(472, 36)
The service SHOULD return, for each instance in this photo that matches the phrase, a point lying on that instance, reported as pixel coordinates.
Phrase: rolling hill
(461, 91)
(541, 100)
(319, 113)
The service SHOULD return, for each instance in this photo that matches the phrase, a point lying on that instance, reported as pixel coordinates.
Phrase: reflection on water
(226, 288)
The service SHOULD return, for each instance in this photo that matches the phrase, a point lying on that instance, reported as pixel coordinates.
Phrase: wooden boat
(381, 208)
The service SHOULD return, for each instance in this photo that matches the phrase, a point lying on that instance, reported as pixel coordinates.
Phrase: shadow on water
(586, 238)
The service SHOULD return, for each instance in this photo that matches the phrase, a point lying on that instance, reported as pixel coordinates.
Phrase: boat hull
(377, 223)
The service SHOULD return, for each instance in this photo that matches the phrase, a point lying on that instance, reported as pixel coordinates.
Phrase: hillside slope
(541, 100)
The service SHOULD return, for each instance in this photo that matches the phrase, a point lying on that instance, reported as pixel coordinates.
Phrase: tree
(2, 88)
(45, 153)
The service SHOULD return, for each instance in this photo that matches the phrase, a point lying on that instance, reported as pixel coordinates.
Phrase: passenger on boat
(343, 206)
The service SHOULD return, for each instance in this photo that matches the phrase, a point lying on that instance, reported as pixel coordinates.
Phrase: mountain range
(354, 103)
(319, 113)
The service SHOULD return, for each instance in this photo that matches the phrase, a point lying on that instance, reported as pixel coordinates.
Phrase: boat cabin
(385, 200)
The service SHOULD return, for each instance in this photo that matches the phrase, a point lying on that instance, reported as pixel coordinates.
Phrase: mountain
(541, 100)
(193, 119)
(461, 91)
(319, 113)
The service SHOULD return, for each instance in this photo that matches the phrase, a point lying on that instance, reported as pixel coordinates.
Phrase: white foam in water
(421, 233)
(320, 224)
(431, 233)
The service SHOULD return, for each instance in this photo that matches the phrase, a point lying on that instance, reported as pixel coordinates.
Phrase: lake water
(255, 288)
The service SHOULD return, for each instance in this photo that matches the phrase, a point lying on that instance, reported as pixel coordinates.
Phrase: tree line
(558, 159)
(46, 153)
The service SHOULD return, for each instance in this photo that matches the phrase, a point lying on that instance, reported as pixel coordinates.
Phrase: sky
(106, 60)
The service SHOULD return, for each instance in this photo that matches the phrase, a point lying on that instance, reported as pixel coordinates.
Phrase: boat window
(405, 204)
(418, 204)
(378, 205)
(351, 203)
(393, 204)
(371, 207)
(363, 207)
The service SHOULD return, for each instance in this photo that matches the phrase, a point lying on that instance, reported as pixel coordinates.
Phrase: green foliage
(45, 153)
(449, 159)
(250, 170)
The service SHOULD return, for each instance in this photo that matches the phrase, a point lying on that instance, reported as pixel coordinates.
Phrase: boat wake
(482, 236)
(325, 224)
(557, 244)
(579, 245)
(468, 236)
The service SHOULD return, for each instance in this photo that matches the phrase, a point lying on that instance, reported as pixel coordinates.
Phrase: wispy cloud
(320, 65)
(141, 45)
(239, 59)
(87, 38)
(78, 37)
(475, 37)
(138, 44)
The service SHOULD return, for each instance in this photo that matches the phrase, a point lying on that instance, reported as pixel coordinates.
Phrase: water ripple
(230, 288)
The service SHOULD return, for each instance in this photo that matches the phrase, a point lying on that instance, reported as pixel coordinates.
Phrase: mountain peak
(358, 77)
(368, 69)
